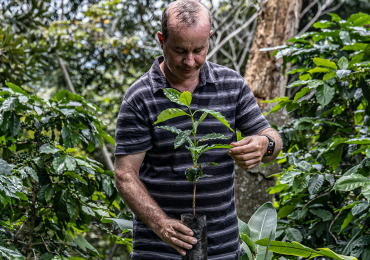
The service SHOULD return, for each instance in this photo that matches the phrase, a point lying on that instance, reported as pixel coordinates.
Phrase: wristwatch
(271, 147)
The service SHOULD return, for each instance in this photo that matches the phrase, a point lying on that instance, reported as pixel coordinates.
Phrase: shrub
(324, 189)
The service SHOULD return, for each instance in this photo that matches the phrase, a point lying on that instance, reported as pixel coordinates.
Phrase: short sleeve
(249, 118)
(133, 131)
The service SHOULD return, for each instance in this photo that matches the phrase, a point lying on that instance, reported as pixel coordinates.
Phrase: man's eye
(179, 51)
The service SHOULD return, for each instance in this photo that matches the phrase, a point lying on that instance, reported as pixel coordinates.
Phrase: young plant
(193, 174)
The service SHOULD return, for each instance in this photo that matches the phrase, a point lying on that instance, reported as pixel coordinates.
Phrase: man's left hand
(249, 152)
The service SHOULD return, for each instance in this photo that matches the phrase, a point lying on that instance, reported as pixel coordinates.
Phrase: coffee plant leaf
(212, 136)
(173, 95)
(185, 98)
(218, 116)
(181, 138)
(169, 114)
(351, 182)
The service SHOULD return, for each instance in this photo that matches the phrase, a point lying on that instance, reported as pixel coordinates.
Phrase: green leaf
(9, 253)
(31, 172)
(248, 241)
(16, 89)
(355, 47)
(10, 104)
(169, 114)
(325, 63)
(335, 17)
(46, 256)
(218, 146)
(351, 182)
(212, 136)
(71, 208)
(5, 168)
(48, 149)
(334, 156)
(49, 192)
(365, 88)
(243, 227)
(83, 244)
(294, 84)
(301, 93)
(297, 249)
(358, 208)
(358, 141)
(315, 184)
(66, 135)
(294, 234)
(217, 115)
(107, 187)
(299, 214)
(288, 177)
(285, 211)
(343, 63)
(323, 214)
(324, 94)
(173, 95)
(14, 124)
(323, 24)
(22, 196)
(185, 98)
(347, 221)
(300, 183)
(202, 117)
(64, 163)
(343, 73)
(329, 75)
(345, 37)
(123, 223)
(170, 128)
(181, 137)
(261, 224)
(318, 70)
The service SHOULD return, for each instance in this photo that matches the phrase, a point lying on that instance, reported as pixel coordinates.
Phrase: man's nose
(189, 60)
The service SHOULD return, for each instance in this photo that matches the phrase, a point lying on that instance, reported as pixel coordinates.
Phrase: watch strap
(271, 146)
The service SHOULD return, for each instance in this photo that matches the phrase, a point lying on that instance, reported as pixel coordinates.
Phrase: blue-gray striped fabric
(162, 171)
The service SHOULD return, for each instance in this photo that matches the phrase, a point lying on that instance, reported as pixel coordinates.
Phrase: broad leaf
(294, 234)
(169, 114)
(48, 149)
(185, 98)
(5, 168)
(355, 47)
(202, 117)
(325, 63)
(212, 136)
(343, 63)
(343, 73)
(170, 128)
(16, 89)
(217, 115)
(248, 241)
(318, 70)
(181, 137)
(123, 223)
(173, 95)
(83, 244)
(243, 227)
(315, 184)
(324, 214)
(351, 182)
(296, 249)
(261, 224)
(324, 94)
(64, 163)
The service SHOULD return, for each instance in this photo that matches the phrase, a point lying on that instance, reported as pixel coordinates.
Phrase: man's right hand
(176, 234)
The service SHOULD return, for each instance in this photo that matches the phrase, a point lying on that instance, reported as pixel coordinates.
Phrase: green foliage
(259, 234)
(50, 192)
(194, 173)
(324, 187)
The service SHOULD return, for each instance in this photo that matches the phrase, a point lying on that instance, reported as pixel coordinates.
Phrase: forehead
(197, 33)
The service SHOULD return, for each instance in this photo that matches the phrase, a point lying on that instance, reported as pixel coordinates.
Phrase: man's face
(185, 49)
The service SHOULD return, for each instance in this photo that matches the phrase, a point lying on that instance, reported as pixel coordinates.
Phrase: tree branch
(231, 35)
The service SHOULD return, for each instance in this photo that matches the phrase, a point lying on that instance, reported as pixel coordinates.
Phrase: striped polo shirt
(163, 169)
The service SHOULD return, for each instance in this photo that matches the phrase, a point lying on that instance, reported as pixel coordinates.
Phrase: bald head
(184, 13)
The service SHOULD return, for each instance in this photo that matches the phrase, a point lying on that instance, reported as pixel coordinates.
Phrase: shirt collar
(159, 81)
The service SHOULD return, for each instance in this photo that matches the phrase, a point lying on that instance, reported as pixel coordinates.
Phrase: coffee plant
(51, 193)
(324, 187)
(193, 174)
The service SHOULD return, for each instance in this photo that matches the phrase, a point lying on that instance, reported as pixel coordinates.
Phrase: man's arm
(249, 152)
(171, 231)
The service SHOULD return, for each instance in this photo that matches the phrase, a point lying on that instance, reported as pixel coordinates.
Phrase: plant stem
(195, 183)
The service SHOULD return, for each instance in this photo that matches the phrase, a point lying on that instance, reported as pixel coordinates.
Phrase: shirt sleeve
(249, 118)
(133, 131)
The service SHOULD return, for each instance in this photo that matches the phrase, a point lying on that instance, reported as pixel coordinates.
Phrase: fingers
(248, 164)
(183, 229)
(178, 236)
(244, 141)
(248, 148)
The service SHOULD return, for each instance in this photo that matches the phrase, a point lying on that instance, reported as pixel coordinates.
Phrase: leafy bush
(50, 192)
(324, 189)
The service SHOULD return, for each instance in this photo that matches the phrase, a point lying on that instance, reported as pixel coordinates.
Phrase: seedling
(193, 174)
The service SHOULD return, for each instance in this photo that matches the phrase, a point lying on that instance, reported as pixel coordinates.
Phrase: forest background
(97, 49)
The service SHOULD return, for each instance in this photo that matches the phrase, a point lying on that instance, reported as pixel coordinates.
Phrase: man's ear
(210, 33)
(160, 38)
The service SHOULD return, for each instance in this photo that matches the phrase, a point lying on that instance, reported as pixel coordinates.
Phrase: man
(150, 173)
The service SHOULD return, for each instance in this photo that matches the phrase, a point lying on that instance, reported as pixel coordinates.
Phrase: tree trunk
(278, 21)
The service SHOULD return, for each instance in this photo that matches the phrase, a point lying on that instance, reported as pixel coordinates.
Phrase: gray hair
(186, 12)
